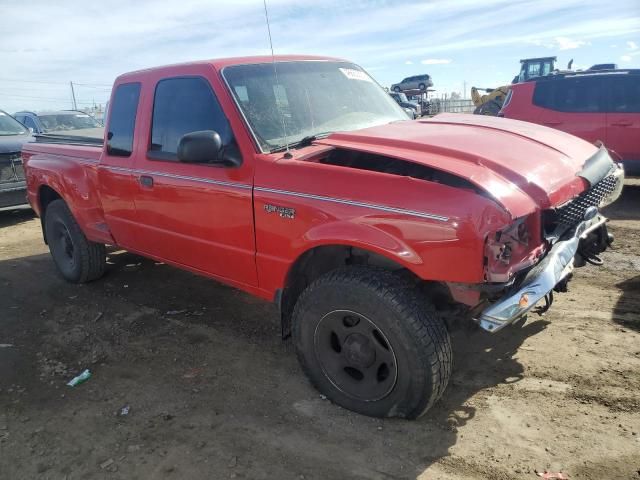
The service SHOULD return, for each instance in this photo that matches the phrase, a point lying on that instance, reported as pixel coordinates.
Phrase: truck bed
(76, 150)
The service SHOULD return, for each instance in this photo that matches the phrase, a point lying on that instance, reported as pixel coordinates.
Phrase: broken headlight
(612, 196)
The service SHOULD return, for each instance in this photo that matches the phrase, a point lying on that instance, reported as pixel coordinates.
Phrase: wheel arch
(46, 195)
(320, 259)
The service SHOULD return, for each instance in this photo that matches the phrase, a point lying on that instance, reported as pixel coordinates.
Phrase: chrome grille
(10, 165)
(19, 168)
(573, 212)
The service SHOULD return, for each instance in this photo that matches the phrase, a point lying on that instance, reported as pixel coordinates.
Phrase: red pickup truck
(299, 180)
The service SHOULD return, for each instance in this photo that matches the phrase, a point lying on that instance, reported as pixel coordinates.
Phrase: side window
(571, 95)
(122, 119)
(625, 93)
(181, 106)
(543, 94)
(20, 118)
(29, 123)
(578, 95)
(533, 70)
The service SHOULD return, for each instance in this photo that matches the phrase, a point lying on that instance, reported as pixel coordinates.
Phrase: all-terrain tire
(77, 259)
(393, 313)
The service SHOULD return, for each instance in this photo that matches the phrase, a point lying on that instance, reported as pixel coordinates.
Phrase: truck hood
(13, 143)
(521, 165)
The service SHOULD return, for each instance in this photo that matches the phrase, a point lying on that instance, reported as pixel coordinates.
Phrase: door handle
(146, 181)
(622, 123)
(553, 122)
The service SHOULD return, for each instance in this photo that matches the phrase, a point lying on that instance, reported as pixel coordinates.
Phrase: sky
(46, 44)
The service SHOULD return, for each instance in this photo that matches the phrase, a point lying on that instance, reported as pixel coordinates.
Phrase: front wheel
(369, 342)
(396, 89)
(78, 260)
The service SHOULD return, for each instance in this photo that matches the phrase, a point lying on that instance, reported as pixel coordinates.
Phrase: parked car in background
(596, 105)
(12, 182)
(417, 82)
(62, 122)
(402, 100)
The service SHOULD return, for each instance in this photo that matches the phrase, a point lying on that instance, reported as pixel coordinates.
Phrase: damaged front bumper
(554, 268)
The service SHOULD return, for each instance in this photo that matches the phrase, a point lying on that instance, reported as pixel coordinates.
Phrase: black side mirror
(200, 147)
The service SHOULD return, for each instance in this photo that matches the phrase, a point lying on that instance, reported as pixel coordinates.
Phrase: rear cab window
(122, 119)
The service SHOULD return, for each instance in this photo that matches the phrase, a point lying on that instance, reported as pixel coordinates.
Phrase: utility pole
(73, 96)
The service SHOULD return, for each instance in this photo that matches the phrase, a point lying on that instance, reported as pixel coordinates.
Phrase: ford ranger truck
(299, 180)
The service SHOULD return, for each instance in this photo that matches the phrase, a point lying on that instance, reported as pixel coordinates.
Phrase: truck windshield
(68, 121)
(10, 126)
(309, 98)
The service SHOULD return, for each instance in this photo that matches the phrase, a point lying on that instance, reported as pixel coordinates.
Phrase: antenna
(275, 73)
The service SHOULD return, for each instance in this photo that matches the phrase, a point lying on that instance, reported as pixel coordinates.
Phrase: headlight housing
(608, 199)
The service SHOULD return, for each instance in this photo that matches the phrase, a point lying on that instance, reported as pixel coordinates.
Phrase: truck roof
(220, 63)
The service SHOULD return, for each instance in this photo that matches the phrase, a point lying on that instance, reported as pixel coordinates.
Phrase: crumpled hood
(523, 166)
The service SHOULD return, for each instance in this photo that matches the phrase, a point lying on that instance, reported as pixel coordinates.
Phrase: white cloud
(625, 58)
(632, 45)
(73, 45)
(435, 61)
(565, 43)
(559, 43)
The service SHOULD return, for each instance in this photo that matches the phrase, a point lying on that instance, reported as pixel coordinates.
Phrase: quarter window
(122, 119)
(181, 106)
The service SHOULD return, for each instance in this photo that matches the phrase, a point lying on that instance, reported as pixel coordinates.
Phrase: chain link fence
(440, 105)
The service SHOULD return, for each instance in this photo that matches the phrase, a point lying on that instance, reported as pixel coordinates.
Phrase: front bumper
(541, 280)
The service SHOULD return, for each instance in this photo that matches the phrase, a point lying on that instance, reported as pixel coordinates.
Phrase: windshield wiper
(303, 142)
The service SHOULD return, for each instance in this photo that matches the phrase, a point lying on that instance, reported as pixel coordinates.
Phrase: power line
(19, 80)
(50, 99)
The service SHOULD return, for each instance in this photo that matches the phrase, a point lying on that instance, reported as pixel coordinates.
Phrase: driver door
(196, 215)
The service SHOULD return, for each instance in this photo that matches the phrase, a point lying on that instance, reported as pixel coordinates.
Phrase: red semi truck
(299, 180)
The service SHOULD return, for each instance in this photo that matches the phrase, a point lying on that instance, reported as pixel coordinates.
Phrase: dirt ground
(213, 392)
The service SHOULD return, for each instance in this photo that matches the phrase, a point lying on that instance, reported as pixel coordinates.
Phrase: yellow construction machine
(491, 102)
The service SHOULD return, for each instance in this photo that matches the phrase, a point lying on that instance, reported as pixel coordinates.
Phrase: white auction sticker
(353, 74)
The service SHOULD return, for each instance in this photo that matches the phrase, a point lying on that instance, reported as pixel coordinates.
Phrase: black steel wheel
(78, 260)
(422, 86)
(355, 355)
(369, 342)
(396, 89)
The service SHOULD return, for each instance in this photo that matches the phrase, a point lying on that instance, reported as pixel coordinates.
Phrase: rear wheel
(78, 260)
(422, 86)
(369, 342)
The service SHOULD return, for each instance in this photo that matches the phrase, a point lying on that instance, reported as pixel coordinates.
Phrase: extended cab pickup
(301, 181)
